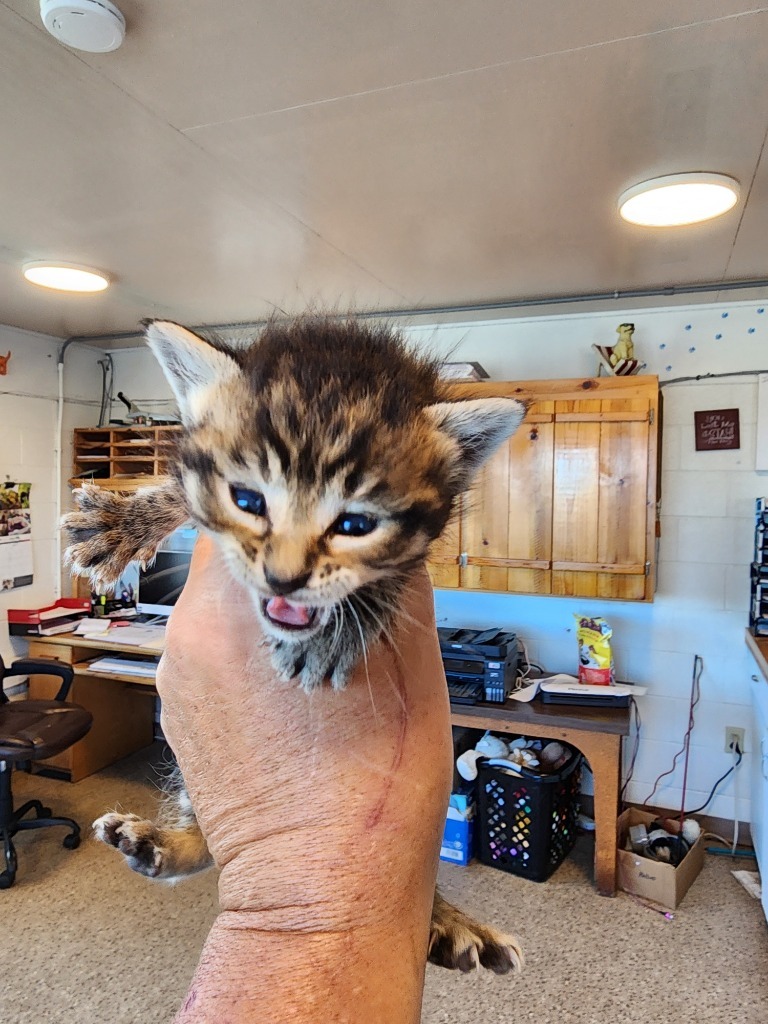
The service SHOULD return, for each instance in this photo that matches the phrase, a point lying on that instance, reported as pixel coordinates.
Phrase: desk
(123, 711)
(596, 732)
(123, 722)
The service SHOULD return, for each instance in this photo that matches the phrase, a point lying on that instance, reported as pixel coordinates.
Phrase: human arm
(323, 811)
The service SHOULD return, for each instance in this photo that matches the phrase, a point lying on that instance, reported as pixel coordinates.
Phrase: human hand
(323, 811)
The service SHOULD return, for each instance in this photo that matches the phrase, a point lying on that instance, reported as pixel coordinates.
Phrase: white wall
(27, 445)
(707, 522)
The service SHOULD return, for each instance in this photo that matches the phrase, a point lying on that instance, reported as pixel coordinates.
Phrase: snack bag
(595, 659)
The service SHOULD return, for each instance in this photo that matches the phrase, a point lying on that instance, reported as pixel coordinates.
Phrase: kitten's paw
(344, 666)
(460, 943)
(316, 660)
(102, 542)
(305, 663)
(286, 660)
(137, 839)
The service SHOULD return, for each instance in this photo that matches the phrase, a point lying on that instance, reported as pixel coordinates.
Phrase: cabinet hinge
(651, 413)
(463, 560)
(647, 568)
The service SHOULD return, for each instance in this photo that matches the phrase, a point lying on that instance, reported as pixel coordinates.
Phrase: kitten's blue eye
(249, 501)
(354, 524)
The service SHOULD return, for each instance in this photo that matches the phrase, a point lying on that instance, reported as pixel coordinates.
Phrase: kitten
(324, 457)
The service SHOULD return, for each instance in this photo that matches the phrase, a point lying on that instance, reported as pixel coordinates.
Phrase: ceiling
(233, 159)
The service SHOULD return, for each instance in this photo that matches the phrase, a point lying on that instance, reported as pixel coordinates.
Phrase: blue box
(458, 834)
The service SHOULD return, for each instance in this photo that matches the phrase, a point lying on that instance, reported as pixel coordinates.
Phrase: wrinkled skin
(324, 812)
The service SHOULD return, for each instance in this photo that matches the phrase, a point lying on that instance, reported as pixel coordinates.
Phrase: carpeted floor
(86, 940)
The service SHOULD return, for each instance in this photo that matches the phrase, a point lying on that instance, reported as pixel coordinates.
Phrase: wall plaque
(717, 430)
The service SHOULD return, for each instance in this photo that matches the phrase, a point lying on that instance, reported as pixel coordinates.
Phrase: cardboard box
(654, 880)
(459, 832)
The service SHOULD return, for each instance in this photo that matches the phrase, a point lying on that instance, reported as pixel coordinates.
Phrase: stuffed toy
(624, 348)
(513, 754)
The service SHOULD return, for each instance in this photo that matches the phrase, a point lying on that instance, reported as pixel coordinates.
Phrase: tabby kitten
(324, 457)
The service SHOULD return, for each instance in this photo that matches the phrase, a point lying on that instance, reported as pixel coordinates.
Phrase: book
(53, 628)
(50, 627)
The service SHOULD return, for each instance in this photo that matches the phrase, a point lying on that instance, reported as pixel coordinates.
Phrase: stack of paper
(124, 667)
(136, 636)
(92, 627)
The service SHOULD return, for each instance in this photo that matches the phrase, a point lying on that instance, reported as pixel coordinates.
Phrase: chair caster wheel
(71, 842)
(7, 879)
(45, 812)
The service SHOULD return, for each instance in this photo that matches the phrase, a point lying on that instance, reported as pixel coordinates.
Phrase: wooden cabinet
(123, 712)
(122, 458)
(568, 506)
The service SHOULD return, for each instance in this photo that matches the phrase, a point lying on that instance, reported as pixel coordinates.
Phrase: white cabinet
(759, 781)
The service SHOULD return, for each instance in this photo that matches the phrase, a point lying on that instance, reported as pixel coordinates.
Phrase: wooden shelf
(134, 456)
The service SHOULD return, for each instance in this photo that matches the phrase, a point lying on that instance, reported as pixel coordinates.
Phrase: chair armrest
(44, 667)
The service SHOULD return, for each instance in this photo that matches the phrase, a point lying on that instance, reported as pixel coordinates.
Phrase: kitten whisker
(364, 645)
(338, 622)
(379, 621)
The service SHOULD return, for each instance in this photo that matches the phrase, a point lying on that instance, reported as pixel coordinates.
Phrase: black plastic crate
(526, 823)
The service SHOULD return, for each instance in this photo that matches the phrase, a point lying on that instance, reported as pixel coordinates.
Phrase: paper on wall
(16, 568)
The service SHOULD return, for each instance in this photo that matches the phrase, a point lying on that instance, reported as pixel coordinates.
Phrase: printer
(480, 664)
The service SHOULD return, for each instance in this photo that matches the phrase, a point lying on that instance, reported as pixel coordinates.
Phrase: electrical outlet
(733, 735)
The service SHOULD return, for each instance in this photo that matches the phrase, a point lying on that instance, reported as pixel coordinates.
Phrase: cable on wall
(698, 666)
(57, 461)
(710, 798)
(635, 747)
(542, 301)
(712, 376)
(107, 386)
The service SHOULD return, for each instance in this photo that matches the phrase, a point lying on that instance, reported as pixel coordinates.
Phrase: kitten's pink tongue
(285, 611)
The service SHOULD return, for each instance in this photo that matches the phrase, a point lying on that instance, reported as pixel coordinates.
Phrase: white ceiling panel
(115, 189)
(235, 158)
(195, 62)
(508, 178)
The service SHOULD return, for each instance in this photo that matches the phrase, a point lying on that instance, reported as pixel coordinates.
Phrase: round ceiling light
(677, 199)
(65, 277)
(96, 26)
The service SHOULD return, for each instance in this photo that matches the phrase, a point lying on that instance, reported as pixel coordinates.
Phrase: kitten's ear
(189, 363)
(478, 426)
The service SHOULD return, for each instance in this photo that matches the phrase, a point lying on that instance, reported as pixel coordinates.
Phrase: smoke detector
(93, 25)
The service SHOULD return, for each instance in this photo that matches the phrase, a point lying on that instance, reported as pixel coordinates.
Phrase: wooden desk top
(758, 645)
(99, 644)
(565, 716)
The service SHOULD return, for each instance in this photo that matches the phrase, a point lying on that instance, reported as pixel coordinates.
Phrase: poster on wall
(717, 430)
(15, 536)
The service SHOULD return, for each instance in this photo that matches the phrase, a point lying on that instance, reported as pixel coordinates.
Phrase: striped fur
(318, 417)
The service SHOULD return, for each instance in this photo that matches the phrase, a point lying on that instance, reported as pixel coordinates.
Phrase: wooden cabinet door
(506, 525)
(600, 533)
(568, 506)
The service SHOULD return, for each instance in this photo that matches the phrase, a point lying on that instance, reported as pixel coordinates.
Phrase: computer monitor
(161, 582)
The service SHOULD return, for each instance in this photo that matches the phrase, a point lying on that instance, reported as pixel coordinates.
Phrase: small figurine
(619, 360)
(4, 364)
(623, 349)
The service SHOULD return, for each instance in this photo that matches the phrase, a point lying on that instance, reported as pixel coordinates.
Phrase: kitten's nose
(281, 586)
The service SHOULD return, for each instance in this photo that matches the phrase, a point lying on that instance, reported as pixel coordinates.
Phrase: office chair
(31, 730)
